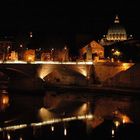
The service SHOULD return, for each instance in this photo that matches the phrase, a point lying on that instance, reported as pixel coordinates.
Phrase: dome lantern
(116, 19)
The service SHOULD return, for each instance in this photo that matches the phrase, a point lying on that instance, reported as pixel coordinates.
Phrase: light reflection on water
(119, 110)
(4, 99)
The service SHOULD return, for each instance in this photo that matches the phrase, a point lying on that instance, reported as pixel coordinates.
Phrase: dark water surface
(114, 115)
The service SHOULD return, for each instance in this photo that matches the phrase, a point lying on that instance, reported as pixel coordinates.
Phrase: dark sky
(68, 17)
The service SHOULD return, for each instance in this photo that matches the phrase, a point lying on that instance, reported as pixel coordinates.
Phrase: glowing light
(20, 138)
(90, 116)
(8, 136)
(69, 119)
(65, 131)
(52, 128)
(15, 62)
(82, 110)
(125, 119)
(44, 70)
(5, 100)
(31, 34)
(81, 117)
(50, 121)
(14, 127)
(45, 114)
(117, 123)
(83, 72)
(113, 132)
(31, 57)
(117, 53)
(126, 66)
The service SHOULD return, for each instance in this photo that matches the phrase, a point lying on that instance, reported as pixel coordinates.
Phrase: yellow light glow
(52, 128)
(14, 127)
(44, 70)
(117, 53)
(90, 116)
(83, 72)
(5, 100)
(83, 109)
(65, 131)
(45, 114)
(69, 119)
(117, 123)
(8, 136)
(30, 58)
(126, 66)
(81, 117)
(113, 132)
(125, 119)
(47, 62)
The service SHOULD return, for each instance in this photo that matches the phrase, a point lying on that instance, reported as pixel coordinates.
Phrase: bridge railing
(48, 62)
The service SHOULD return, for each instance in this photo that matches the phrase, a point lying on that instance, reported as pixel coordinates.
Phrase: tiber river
(69, 113)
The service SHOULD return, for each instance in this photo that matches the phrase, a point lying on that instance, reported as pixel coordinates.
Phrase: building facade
(116, 33)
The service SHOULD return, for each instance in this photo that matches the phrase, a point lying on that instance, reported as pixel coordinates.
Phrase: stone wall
(128, 79)
(107, 70)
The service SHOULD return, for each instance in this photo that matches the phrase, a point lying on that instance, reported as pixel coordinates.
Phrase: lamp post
(5, 52)
(52, 54)
(21, 51)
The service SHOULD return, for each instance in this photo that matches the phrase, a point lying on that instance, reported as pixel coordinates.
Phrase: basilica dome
(116, 32)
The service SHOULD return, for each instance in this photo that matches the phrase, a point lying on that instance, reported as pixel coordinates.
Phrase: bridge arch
(14, 73)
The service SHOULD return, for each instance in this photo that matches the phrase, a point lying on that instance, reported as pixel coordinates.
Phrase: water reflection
(67, 115)
(4, 99)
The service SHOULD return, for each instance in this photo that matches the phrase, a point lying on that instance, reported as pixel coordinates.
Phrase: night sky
(67, 18)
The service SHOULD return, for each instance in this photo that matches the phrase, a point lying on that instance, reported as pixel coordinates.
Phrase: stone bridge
(69, 73)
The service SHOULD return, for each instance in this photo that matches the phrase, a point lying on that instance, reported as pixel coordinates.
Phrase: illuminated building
(92, 50)
(5, 48)
(65, 54)
(45, 56)
(14, 56)
(29, 55)
(116, 33)
(61, 55)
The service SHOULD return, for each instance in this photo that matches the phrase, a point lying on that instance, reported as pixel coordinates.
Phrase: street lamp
(7, 53)
(52, 54)
(21, 51)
